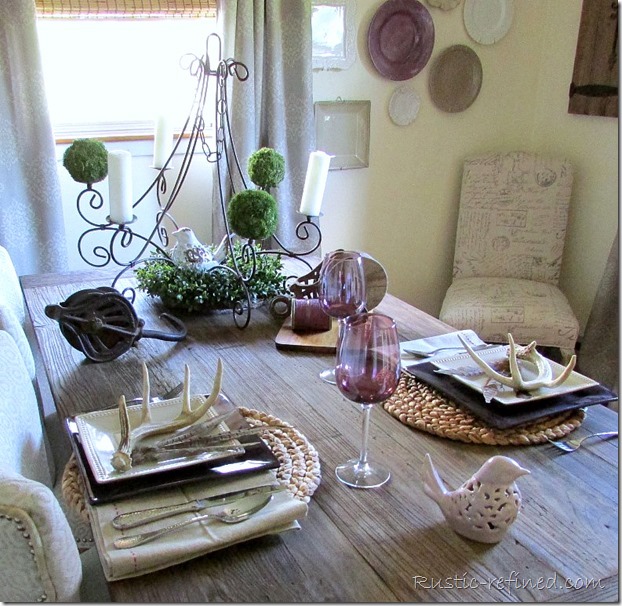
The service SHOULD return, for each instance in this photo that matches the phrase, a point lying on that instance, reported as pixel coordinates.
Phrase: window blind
(122, 9)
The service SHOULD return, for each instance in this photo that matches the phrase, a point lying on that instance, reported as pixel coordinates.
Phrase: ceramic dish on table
(487, 21)
(502, 416)
(506, 395)
(400, 38)
(254, 455)
(455, 78)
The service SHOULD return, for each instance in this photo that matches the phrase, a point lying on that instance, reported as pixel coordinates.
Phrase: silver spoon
(237, 512)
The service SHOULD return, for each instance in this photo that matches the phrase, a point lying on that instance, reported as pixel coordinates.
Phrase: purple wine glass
(367, 372)
(341, 290)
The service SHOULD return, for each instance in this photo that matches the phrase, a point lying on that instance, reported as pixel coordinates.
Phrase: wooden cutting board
(326, 342)
(317, 342)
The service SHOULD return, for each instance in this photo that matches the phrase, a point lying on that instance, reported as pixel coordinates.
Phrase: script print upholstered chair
(39, 557)
(509, 246)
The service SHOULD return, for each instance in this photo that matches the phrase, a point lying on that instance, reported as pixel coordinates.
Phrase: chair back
(11, 292)
(512, 217)
(21, 432)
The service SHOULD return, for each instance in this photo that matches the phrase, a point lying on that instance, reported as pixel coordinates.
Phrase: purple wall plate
(401, 38)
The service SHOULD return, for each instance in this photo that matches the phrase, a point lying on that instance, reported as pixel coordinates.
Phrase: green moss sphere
(266, 168)
(86, 160)
(252, 214)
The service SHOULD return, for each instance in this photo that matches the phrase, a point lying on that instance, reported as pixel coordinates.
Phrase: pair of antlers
(544, 376)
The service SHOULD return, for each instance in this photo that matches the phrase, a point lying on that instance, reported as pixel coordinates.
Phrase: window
(113, 77)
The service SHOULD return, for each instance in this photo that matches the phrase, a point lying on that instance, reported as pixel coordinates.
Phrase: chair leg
(566, 353)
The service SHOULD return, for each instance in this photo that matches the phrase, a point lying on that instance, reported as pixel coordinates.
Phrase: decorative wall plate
(455, 78)
(487, 21)
(401, 38)
(445, 5)
(342, 131)
(404, 105)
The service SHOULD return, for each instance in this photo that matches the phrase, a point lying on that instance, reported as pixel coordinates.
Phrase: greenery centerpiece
(186, 289)
(252, 215)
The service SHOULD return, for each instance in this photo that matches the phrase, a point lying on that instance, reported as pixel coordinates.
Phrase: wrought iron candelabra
(127, 247)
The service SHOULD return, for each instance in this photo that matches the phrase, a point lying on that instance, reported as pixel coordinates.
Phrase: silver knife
(136, 518)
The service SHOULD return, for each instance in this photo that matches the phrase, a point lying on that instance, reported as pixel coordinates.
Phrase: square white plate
(506, 395)
(342, 131)
(100, 435)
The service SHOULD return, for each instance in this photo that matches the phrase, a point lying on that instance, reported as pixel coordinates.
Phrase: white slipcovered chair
(509, 246)
(12, 310)
(39, 557)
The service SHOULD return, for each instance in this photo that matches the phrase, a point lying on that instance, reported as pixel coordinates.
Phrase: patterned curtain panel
(274, 107)
(31, 213)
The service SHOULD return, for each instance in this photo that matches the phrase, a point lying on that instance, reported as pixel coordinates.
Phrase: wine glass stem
(366, 416)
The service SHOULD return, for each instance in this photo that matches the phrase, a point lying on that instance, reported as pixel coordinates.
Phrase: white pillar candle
(315, 183)
(163, 142)
(120, 186)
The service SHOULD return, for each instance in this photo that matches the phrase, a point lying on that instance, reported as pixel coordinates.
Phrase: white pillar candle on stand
(163, 142)
(315, 183)
(120, 186)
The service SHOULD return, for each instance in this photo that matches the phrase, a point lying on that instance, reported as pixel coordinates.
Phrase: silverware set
(239, 505)
(240, 510)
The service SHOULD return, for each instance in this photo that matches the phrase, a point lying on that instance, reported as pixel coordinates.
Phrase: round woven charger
(299, 463)
(416, 404)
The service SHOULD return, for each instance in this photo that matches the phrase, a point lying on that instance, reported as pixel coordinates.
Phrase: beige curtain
(599, 356)
(274, 107)
(31, 213)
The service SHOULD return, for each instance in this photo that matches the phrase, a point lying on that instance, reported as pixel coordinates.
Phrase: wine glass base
(328, 376)
(358, 475)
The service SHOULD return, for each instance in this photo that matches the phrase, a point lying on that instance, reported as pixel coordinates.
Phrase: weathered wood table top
(380, 545)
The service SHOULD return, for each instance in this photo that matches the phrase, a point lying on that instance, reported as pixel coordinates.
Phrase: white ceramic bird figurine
(189, 252)
(486, 505)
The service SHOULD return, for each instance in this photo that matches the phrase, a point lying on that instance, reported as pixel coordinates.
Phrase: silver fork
(572, 445)
(169, 395)
(433, 352)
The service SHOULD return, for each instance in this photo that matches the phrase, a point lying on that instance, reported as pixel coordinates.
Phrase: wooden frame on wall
(594, 87)
(333, 34)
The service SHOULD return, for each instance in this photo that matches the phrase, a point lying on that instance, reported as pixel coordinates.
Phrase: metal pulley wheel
(102, 323)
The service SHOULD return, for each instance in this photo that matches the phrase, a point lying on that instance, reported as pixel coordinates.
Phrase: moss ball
(252, 214)
(266, 168)
(86, 160)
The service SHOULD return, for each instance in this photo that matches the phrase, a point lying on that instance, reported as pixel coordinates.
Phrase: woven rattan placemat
(416, 404)
(299, 463)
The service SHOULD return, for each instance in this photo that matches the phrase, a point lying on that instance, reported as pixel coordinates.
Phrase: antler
(515, 380)
(130, 437)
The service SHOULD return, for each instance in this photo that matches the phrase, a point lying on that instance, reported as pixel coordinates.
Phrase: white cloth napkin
(194, 540)
(424, 346)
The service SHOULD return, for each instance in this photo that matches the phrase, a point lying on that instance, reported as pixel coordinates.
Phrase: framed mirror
(333, 27)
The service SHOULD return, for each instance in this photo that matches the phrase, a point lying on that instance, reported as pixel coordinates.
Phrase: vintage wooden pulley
(103, 324)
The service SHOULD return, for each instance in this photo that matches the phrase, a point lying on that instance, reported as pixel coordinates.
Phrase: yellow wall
(403, 208)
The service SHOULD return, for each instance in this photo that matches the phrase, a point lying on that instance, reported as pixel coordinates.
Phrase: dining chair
(11, 292)
(508, 251)
(39, 555)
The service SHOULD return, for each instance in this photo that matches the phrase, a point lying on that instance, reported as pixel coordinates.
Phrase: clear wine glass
(367, 372)
(341, 290)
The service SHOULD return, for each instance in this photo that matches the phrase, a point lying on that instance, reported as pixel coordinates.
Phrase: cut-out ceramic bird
(486, 505)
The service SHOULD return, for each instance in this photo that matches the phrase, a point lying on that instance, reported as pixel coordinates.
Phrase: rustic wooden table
(386, 544)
